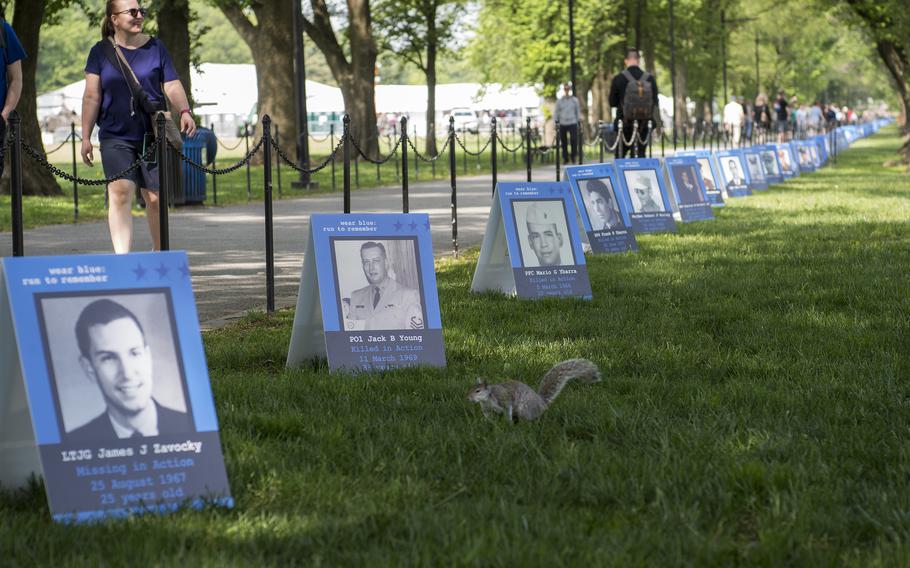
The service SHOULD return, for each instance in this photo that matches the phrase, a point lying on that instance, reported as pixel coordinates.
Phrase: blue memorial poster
(714, 185)
(603, 209)
(116, 382)
(818, 149)
(687, 184)
(788, 167)
(757, 180)
(651, 210)
(803, 156)
(532, 245)
(770, 164)
(733, 169)
(368, 298)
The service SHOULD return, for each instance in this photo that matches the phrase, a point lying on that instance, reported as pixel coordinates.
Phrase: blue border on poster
(569, 280)
(647, 222)
(689, 211)
(770, 177)
(603, 241)
(380, 348)
(194, 481)
(716, 196)
(755, 183)
(737, 190)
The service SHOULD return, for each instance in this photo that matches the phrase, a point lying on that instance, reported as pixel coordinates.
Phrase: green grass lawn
(232, 187)
(754, 410)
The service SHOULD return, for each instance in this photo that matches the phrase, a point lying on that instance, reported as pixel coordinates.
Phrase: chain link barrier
(439, 153)
(321, 140)
(392, 153)
(219, 171)
(470, 153)
(229, 149)
(320, 167)
(502, 144)
(35, 155)
(62, 144)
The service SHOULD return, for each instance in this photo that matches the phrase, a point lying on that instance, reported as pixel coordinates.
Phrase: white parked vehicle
(465, 118)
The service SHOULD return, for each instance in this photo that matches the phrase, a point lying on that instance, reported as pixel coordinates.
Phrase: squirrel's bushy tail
(563, 372)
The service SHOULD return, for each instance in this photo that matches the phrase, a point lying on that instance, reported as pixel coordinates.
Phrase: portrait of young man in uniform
(387, 301)
(686, 184)
(644, 191)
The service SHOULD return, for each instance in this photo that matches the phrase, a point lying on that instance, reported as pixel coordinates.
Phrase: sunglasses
(133, 12)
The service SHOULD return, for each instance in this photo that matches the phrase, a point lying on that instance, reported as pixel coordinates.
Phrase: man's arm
(616, 92)
(654, 87)
(14, 88)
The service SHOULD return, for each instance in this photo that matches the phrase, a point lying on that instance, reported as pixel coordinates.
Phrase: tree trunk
(272, 45)
(36, 180)
(682, 113)
(898, 65)
(600, 95)
(431, 95)
(584, 85)
(174, 31)
(355, 77)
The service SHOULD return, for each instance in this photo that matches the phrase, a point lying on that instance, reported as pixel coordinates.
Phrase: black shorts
(118, 155)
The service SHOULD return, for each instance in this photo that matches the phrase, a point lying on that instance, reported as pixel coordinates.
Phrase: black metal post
(303, 124)
(164, 180)
(277, 160)
(650, 138)
(397, 166)
(246, 137)
(346, 170)
(685, 141)
(600, 131)
(75, 183)
(404, 164)
(452, 181)
(269, 226)
(332, 149)
(493, 152)
(558, 143)
(621, 141)
(15, 159)
(528, 155)
(214, 177)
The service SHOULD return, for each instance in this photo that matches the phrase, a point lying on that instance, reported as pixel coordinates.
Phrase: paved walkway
(226, 245)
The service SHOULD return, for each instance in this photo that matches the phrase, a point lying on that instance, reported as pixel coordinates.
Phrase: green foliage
(753, 413)
(64, 49)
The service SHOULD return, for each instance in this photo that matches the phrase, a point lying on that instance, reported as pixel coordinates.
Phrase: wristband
(184, 111)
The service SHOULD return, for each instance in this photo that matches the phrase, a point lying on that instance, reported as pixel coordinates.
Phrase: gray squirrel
(517, 400)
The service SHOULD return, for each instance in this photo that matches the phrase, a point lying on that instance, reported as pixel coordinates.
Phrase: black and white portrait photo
(769, 161)
(684, 176)
(755, 170)
(600, 204)
(378, 283)
(784, 157)
(543, 232)
(707, 175)
(644, 191)
(116, 366)
(733, 172)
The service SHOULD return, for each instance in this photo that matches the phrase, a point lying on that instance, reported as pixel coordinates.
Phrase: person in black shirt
(617, 94)
(782, 115)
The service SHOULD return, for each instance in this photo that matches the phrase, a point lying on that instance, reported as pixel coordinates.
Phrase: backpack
(638, 98)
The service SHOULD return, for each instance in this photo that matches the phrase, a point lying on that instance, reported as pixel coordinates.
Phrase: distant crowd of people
(787, 117)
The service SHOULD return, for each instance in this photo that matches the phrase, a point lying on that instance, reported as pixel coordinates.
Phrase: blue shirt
(11, 54)
(152, 65)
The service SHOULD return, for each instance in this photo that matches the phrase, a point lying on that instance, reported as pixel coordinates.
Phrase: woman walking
(127, 77)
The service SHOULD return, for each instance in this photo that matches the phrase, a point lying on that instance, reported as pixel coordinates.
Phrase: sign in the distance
(650, 208)
(685, 179)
